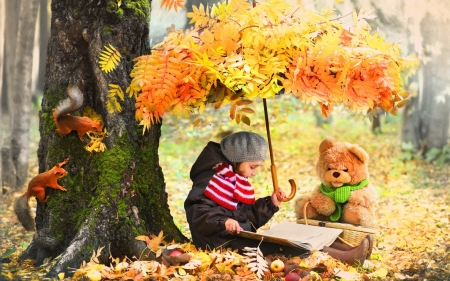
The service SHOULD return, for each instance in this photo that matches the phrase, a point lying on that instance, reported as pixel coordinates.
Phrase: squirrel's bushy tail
(22, 210)
(71, 103)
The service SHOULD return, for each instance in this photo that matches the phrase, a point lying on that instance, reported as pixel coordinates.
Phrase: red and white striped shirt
(228, 188)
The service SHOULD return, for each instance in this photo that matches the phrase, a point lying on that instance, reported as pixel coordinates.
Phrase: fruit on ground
(121, 266)
(277, 266)
(296, 259)
(292, 276)
(94, 275)
(175, 253)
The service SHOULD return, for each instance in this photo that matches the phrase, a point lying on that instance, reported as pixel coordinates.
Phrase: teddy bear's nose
(336, 174)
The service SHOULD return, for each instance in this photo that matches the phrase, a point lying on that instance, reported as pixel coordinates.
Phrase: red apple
(277, 266)
(292, 276)
(175, 253)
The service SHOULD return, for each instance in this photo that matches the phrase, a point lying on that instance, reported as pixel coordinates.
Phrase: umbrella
(273, 168)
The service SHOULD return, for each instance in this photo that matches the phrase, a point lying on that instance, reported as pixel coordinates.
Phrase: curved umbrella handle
(275, 185)
(293, 190)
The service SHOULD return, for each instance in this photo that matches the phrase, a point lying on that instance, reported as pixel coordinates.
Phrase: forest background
(414, 189)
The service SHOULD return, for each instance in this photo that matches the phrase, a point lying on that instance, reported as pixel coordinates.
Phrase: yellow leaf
(247, 110)
(109, 58)
(233, 111)
(404, 95)
(246, 120)
(379, 274)
(225, 269)
(197, 122)
(181, 271)
(203, 257)
(402, 103)
(94, 275)
(243, 102)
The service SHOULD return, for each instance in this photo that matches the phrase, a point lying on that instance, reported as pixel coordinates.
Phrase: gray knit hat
(243, 147)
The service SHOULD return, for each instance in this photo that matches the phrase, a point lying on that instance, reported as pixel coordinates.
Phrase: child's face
(248, 169)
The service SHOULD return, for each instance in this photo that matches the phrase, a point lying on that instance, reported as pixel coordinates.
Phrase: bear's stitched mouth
(337, 183)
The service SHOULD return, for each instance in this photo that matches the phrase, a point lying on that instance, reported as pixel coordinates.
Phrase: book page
(273, 239)
(317, 236)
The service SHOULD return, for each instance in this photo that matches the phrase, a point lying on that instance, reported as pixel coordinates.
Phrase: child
(222, 201)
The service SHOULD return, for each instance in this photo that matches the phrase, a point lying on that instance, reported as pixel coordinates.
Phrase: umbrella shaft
(268, 132)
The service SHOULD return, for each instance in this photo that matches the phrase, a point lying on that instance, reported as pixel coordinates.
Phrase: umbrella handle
(275, 185)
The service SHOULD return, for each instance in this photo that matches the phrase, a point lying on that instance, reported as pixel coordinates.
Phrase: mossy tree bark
(112, 196)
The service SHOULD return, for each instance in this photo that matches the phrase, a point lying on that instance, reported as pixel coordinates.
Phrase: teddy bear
(345, 194)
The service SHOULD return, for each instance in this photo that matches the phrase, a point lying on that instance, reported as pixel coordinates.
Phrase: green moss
(49, 124)
(107, 30)
(140, 8)
(119, 13)
(54, 96)
(95, 179)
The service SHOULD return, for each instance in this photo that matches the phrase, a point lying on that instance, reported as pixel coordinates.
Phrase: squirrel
(66, 123)
(36, 188)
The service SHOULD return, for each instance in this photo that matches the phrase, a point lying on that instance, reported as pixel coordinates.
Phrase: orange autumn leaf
(232, 55)
(175, 4)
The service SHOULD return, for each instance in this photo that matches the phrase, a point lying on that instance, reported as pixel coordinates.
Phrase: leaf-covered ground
(413, 206)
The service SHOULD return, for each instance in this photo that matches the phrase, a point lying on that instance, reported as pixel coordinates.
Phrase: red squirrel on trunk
(36, 188)
(66, 123)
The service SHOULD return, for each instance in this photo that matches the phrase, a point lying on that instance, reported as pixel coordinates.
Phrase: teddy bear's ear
(327, 143)
(359, 152)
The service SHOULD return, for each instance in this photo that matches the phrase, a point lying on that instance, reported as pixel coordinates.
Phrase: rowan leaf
(109, 58)
(402, 103)
(247, 110)
(233, 111)
(112, 103)
(244, 102)
(175, 4)
(256, 261)
(246, 120)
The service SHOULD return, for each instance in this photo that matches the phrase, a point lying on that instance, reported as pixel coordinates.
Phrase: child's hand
(278, 196)
(232, 226)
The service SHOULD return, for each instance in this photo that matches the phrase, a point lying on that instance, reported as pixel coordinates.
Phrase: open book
(303, 236)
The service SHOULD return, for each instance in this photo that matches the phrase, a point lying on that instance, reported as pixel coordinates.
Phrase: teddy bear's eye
(345, 170)
(329, 169)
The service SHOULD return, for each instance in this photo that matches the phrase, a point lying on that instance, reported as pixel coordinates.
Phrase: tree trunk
(427, 118)
(376, 122)
(112, 196)
(2, 55)
(2, 44)
(22, 85)
(12, 19)
(43, 39)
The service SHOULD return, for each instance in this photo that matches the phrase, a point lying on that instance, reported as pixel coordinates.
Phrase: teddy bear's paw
(357, 215)
(300, 205)
(323, 207)
(311, 213)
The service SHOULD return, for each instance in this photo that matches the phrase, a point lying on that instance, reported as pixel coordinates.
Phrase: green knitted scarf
(340, 195)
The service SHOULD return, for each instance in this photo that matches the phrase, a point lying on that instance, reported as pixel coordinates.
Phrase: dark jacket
(206, 218)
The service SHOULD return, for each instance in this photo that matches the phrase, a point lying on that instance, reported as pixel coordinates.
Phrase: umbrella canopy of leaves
(236, 52)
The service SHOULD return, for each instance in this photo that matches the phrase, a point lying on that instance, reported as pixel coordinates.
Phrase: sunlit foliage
(236, 52)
